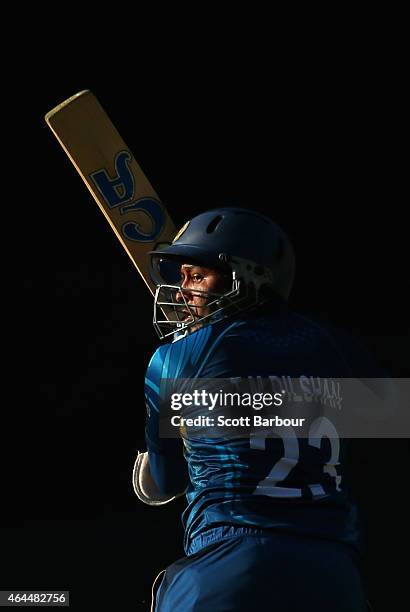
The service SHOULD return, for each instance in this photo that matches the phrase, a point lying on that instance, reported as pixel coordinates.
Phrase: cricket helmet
(252, 251)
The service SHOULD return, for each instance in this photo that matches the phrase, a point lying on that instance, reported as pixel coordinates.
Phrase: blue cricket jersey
(223, 476)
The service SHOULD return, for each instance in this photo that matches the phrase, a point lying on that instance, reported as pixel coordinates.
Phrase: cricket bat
(114, 178)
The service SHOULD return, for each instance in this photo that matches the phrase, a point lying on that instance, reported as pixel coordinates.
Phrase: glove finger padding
(144, 486)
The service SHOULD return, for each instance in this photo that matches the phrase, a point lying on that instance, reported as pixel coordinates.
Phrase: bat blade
(114, 178)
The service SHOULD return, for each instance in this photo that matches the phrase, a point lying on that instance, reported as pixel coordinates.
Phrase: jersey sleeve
(167, 462)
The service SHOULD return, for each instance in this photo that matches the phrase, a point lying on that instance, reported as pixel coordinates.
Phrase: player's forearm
(167, 464)
(169, 471)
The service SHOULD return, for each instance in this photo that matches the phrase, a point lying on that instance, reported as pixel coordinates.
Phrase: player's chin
(198, 322)
(195, 327)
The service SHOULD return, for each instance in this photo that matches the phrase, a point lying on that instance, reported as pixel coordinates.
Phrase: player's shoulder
(281, 330)
(158, 355)
(183, 356)
(362, 362)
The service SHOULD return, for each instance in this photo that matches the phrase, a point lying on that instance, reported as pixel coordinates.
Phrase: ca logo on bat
(119, 192)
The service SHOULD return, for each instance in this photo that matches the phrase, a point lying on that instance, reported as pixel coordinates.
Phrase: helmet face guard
(182, 316)
(172, 316)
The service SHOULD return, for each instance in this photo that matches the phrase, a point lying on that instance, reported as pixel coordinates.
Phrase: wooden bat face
(114, 178)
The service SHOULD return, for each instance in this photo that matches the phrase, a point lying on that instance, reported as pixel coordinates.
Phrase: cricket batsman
(269, 523)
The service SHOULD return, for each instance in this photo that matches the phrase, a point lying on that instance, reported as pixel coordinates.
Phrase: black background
(318, 151)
